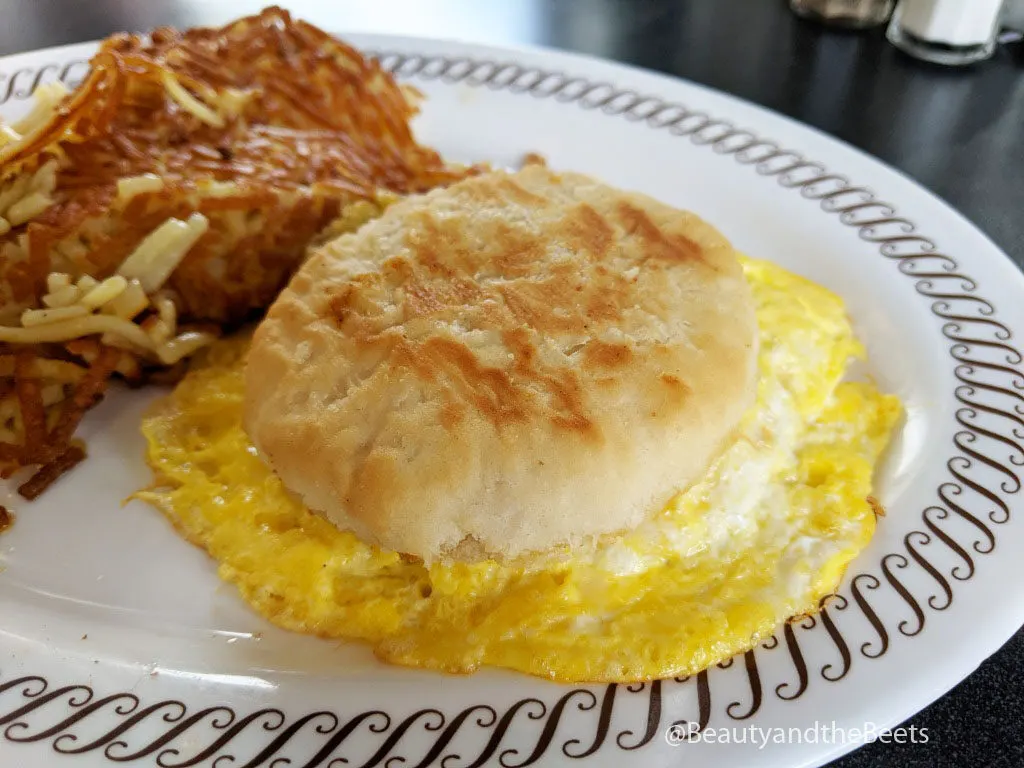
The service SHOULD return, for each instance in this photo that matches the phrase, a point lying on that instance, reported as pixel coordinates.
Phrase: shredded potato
(152, 262)
(190, 103)
(136, 185)
(169, 197)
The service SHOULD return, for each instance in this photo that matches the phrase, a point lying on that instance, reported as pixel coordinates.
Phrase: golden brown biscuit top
(481, 361)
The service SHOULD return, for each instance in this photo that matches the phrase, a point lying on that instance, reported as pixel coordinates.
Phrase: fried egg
(766, 535)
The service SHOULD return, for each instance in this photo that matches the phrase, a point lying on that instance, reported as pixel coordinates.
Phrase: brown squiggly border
(985, 364)
(20, 84)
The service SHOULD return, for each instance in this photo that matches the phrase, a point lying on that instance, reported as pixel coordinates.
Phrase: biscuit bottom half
(766, 535)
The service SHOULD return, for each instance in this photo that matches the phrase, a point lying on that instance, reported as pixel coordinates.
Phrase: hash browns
(268, 129)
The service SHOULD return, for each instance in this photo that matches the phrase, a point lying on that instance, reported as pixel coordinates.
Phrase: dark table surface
(958, 132)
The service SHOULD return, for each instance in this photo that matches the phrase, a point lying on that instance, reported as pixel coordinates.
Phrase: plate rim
(781, 174)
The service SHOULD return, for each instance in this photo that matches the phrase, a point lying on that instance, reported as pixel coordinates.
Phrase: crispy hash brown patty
(171, 195)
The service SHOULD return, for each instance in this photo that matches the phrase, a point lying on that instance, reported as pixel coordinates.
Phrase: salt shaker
(952, 32)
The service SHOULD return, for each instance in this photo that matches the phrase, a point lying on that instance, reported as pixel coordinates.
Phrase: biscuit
(516, 362)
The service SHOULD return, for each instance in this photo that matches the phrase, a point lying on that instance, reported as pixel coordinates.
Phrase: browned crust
(51, 472)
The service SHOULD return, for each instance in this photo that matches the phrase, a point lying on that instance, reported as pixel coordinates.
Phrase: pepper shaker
(853, 14)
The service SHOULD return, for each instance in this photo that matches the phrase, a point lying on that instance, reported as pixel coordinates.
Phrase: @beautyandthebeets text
(818, 733)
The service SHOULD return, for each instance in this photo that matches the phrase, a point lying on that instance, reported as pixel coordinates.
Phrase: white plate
(119, 642)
